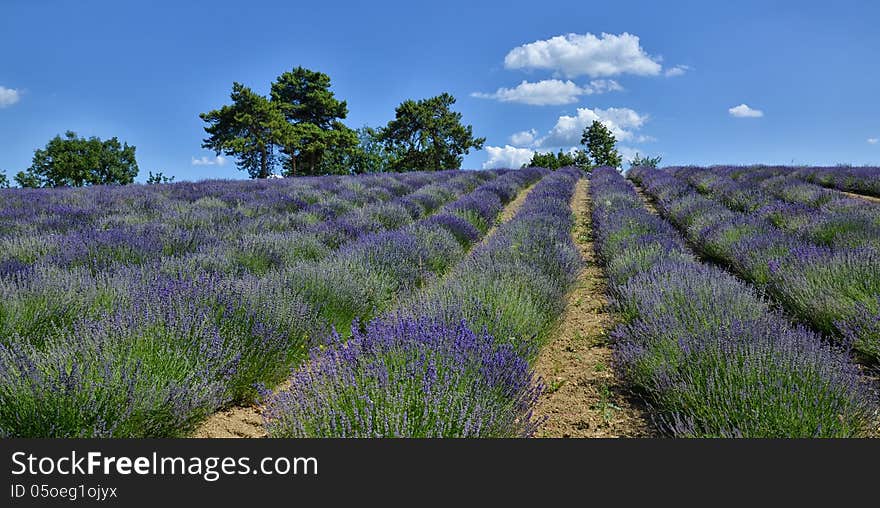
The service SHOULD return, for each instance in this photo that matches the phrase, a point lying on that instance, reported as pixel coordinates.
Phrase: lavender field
(745, 302)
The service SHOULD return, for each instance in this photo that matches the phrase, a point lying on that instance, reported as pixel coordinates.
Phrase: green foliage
(645, 162)
(159, 178)
(308, 105)
(426, 135)
(600, 142)
(248, 129)
(298, 126)
(550, 160)
(27, 180)
(304, 96)
(72, 161)
(367, 155)
(4, 182)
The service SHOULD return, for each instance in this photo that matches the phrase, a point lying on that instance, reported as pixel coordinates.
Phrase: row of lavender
(834, 289)
(861, 180)
(816, 214)
(150, 351)
(100, 228)
(709, 354)
(47, 297)
(454, 359)
(793, 186)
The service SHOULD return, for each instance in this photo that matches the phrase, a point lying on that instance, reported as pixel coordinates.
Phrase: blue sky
(669, 79)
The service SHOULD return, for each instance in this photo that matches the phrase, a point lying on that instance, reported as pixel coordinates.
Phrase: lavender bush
(833, 288)
(408, 378)
(142, 310)
(420, 370)
(708, 353)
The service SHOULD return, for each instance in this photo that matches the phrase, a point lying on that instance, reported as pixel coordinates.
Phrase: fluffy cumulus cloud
(9, 96)
(677, 70)
(566, 135)
(574, 55)
(621, 121)
(628, 153)
(744, 111)
(209, 161)
(507, 157)
(604, 85)
(873, 141)
(524, 138)
(550, 92)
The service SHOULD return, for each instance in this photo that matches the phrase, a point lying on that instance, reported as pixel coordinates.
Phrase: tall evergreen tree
(249, 129)
(600, 142)
(314, 114)
(428, 135)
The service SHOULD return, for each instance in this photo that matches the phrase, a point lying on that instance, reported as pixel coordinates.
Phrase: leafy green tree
(249, 129)
(600, 142)
(71, 161)
(304, 98)
(159, 178)
(550, 160)
(428, 135)
(367, 156)
(644, 162)
(27, 180)
(370, 155)
(582, 160)
(4, 182)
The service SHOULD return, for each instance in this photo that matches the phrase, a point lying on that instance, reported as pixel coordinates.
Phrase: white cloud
(604, 85)
(524, 138)
(628, 153)
(873, 141)
(549, 92)
(507, 157)
(209, 161)
(744, 111)
(677, 70)
(569, 129)
(574, 55)
(9, 96)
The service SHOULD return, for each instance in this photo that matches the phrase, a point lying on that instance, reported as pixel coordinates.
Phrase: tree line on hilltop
(298, 130)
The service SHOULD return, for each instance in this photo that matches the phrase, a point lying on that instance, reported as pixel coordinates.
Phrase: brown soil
(645, 199)
(247, 422)
(862, 196)
(583, 397)
(233, 422)
(509, 211)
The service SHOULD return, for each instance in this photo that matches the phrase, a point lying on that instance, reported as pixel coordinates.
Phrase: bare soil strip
(247, 422)
(233, 422)
(583, 397)
(862, 196)
(645, 199)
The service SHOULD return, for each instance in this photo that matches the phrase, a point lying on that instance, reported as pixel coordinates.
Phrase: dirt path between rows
(862, 196)
(247, 422)
(509, 211)
(583, 397)
(645, 199)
